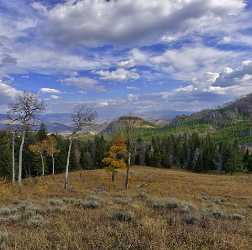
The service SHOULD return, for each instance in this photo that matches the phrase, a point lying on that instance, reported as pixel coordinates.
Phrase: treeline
(84, 155)
(191, 152)
(194, 152)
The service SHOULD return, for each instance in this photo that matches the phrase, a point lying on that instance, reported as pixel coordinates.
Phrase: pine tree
(42, 132)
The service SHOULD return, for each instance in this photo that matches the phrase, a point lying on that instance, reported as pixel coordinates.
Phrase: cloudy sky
(123, 56)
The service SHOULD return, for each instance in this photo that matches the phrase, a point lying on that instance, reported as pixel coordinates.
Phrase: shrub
(122, 216)
(91, 204)
(14, 218)
(5, 211)
(36, 221)
(122, 200)
(72, 201)
(237, 217)
(3, 240)
(55, 209)
(192, 219)
(185, 207)
(169, 203)
(56, 202)
(214, 214)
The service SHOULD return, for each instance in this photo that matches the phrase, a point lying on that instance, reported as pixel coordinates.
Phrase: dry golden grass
(95, 214)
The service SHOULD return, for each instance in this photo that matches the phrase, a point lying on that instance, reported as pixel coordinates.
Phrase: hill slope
(240, 109)
(94, 214)
(120, 123)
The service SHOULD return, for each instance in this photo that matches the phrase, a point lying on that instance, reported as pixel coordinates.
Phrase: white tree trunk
(13, 157)
(43, 164)
(21, 158)
(68, 161)
(53, 163)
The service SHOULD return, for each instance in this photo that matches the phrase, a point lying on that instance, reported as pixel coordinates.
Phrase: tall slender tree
(40, 149)
(51, 149)
(83, 117)
(24, 113)
(128, 127)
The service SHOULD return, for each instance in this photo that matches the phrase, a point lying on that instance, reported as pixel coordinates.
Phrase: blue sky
(143, 57)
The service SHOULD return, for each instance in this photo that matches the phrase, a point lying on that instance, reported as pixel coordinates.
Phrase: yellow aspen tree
(115, 158)
(51, 149)
(39, 149)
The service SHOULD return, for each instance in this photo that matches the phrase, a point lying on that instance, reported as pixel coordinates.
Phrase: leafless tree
(13, 131)
(128, 127)
(83, 117)
(23, 113)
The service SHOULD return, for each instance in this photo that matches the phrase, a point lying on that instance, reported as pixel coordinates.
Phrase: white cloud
(54, 97)
(132, 97)
(83, 83)
(7, 93)
(235, 76)
(118, 75)
(50, 91)
(127, 22)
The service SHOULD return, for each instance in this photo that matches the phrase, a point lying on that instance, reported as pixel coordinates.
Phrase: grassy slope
(229, 132)
(75, 227)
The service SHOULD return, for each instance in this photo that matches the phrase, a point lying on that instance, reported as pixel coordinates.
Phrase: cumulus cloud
(7, 93)
(120, 74)
(54, 39)
(190, 61)
(230, 77)
(83, 83)
(127, 22)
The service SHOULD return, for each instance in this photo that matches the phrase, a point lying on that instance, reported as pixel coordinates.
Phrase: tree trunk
(43, 165)
(21, 159)
(127, 172)
(113, 176)
(13, 158)
(68, 161)
(53, 163)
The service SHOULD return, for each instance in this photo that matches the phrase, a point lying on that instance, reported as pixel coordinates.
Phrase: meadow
(162, 209)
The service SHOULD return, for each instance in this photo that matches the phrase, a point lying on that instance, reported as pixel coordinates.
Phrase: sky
(126, 56)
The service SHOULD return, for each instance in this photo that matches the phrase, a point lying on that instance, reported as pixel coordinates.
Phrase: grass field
(163, 209)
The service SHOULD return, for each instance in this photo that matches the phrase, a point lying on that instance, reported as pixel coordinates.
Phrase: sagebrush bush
(237, 217)
(5, 211)
(122, 216)
(4, 236)
(166, 203)
(14, 218)
(55, 209)
(191, 219)
(36, 221)
(92, 204)
(72, 201)
(122, 200)
(56, 202)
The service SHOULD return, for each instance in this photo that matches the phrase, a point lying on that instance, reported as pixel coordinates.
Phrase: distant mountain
(115, 126)
(240, 109)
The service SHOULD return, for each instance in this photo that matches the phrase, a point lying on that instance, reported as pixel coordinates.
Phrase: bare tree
(129, 125)
(83, 117)
(13, 132)
(23, 112)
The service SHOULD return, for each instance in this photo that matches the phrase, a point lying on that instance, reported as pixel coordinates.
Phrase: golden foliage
(51, 145)
(116, 155)
(37, 148)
